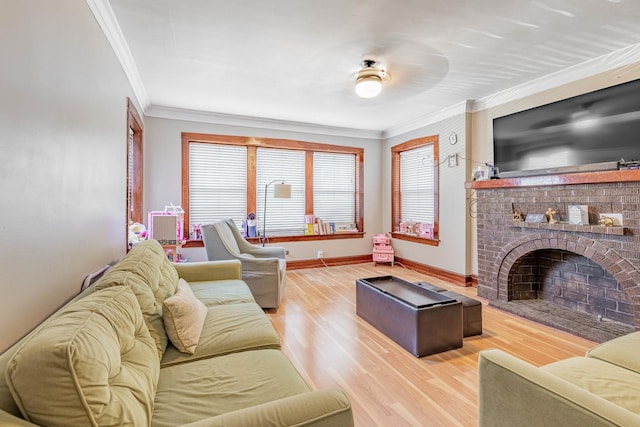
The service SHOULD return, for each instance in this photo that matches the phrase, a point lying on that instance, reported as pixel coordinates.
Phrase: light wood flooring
(333, 348)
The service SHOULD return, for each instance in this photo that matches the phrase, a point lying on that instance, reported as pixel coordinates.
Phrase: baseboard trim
(331, 262)
(458, 279)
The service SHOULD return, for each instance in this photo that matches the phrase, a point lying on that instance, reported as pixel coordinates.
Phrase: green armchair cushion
(606, 380)
(93, 364)
(622, 351)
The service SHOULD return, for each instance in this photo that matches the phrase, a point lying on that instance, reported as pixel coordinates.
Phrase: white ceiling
(294, 60)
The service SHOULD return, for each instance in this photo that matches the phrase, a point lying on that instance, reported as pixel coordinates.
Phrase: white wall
(63, 98)
(163, 177)
(451, 254)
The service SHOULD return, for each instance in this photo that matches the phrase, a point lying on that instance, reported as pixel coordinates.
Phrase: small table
(423, 322)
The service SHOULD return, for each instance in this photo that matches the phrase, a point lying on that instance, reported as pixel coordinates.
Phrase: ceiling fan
(369, 79)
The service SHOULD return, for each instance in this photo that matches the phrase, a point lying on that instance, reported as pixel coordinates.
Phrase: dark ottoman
(421, 321)
(430, 287)
(471, 313)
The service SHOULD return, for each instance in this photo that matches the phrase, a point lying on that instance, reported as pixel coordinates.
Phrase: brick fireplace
(580, 278)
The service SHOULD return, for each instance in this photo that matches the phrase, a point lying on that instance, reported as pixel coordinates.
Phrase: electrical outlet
(320, 254)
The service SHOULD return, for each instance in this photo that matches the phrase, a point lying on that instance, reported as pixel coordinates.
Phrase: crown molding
(608, 62)
(165, 112)
(445, 113)
(103, 13)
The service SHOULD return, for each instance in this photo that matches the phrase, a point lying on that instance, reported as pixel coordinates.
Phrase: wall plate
(453, 160)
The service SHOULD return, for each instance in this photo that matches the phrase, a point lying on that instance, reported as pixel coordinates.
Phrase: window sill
(279, 239)
(416, 239)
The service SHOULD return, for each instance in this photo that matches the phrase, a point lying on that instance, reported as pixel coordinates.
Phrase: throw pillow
(184, 316)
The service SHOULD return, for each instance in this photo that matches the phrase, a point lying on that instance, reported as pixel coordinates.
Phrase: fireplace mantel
(561, 179)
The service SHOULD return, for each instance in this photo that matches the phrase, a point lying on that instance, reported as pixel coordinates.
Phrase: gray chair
(263, 268)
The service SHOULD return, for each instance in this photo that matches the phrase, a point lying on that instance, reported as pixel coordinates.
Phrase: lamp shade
(282, 191)
(368, 86)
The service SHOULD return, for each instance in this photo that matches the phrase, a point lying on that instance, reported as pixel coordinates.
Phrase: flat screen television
(589, 132)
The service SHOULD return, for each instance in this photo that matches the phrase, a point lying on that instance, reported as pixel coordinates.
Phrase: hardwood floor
(332, 347)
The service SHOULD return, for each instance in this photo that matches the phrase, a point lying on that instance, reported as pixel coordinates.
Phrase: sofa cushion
(223, 384)
(608, 381)
(153, 279)
(228, 329)
(93, 364)
(623, 351)
(220, 292)
(184, 318)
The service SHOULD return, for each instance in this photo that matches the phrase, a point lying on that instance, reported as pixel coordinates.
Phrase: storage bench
(423, 322)
(471, 309)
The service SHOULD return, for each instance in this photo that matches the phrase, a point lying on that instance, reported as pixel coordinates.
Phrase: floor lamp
(280, 191)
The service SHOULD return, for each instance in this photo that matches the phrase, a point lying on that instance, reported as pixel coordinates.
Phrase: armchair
(263, 268)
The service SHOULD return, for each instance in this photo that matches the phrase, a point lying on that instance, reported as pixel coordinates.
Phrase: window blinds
(217, 183)
(284, 216)
(417, 184)
(334, 187)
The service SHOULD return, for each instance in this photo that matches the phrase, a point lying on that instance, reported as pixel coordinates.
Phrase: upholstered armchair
(263, 268)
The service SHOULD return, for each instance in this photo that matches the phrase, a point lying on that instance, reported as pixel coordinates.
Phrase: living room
(64, 109)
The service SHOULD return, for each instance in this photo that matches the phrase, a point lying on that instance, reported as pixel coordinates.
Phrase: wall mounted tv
(588, 132)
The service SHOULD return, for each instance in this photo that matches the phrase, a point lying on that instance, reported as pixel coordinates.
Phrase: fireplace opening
(568, 291)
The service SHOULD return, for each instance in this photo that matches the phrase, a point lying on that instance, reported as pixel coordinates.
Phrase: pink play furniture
(382, 250)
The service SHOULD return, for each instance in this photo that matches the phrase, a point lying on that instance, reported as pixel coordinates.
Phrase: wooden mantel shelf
(563, 179)
(597, 229)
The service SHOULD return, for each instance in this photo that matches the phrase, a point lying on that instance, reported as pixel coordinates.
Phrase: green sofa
(110, 356)
(601, 388)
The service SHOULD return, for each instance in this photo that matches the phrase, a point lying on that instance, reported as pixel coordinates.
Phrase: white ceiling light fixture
(369, 79)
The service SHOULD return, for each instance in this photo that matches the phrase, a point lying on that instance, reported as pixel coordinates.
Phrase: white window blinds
(284, 216)
(217, 183)
(417, 184)
(334, 187)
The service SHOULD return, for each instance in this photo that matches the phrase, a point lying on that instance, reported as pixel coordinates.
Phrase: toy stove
(382, 250)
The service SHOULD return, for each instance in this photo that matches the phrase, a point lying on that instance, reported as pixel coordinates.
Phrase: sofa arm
(209, 270)
(321, 408)
(515, 393)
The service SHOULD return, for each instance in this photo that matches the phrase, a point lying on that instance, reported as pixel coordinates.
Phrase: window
(217, 182)
(334, 186)
(225, 177)
(134, 166)
(414, 183)
(284, 216)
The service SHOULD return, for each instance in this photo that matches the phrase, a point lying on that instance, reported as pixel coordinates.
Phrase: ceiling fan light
(368, 86)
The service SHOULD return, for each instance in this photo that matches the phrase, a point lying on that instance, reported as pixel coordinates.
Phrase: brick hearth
(590, 269)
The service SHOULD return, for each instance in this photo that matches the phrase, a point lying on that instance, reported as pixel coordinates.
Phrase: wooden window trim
(396, 214)
(252, 143)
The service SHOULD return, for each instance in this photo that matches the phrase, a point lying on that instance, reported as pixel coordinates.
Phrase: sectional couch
(599, 389)
(161, 344)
